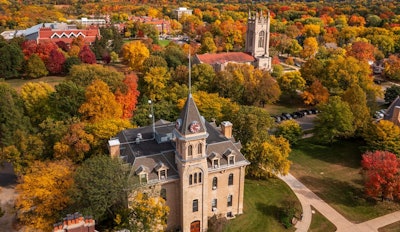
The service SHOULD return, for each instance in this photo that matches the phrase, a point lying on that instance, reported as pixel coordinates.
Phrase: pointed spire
(190, 75)
(249, 14)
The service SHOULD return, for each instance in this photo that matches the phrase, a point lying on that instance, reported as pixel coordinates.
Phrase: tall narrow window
(163, 174)
(229, 200)
(200, 148)
(195, 205)
(163, 194)
(190, 179)
(215, 183)
(214, 204)
(261, 39)
(230, 180)
(215, 163)
(199, 177)
(190, 150)
(195, 178)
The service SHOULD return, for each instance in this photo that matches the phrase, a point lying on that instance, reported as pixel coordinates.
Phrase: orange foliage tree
(128, 100)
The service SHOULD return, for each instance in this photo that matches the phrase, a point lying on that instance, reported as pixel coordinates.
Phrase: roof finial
(190, 75)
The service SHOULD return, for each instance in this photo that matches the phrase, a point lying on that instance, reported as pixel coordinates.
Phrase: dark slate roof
(389, 111)
(155, 150)
(190, 114)
(220, 58)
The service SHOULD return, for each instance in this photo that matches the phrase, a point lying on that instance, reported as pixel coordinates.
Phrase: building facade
(182, 11)
(197, 166)
(257, 39)
(256, 49)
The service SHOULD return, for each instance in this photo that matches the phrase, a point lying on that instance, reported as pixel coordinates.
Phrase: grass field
(51, 80)
(333, 173)
(263, 200)
(395, 227)
(319, 223)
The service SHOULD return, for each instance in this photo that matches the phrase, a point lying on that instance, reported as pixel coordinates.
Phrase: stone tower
(257, 39)
(191, 161)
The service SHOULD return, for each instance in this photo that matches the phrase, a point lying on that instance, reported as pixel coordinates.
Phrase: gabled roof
(190, 114)
(220, 58)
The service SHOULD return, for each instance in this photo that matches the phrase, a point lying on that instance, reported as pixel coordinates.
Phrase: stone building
(256, 49)
(197, 166)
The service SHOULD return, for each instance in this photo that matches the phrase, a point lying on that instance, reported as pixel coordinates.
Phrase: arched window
(190, 150)
(230, 180)
(200, 148)
(199, 177)
(195, 178)
(190, 179)
(261, 39)
(215, 183)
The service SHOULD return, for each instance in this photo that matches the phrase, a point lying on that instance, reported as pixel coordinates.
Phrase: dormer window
(143, 178)
(230, 156)
(231, 160)
(214, 159)
(216, 163)
(142, 172)
(162, 170)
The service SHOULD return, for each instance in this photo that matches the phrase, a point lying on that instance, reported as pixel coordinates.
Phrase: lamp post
(152, 117)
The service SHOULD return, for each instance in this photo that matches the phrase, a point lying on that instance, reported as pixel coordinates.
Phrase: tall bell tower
(257, 39)
(191, 160)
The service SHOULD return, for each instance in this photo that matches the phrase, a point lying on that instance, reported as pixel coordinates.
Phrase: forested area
(56, 137)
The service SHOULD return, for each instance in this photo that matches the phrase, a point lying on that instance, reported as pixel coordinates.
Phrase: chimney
(396, 116)
(114, 147)
(226, 129)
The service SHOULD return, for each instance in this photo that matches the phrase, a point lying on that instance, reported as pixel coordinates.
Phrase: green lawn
(395, 227)
(263, 200)
(51, 80)
(333, 173)
(319, 223)
(163, 42)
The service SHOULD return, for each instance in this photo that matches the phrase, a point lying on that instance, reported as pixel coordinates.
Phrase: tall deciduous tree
(334, 121)
(392, 68)
(74, 144)
(35, 67)
(148, 213)
(290, 82)
(310, 47)
(315, 94)
(12, 115)
(392, 93)
(290, 130)
(55, 62)
(83, 75)
(43, 193)
(381, 170)
(36, 96)
(86, 55)
(11, 60)
(357, 100)
(66, 100)
(156, 80)
(362, 51)
(268, 158)
(135, 53)
(100, 187)
(100, 103)
(129, 98)
(384, 136)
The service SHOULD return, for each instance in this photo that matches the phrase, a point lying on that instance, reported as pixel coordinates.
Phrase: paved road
(308, 198)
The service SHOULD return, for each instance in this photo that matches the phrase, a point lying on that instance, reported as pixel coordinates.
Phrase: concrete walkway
(307, 199)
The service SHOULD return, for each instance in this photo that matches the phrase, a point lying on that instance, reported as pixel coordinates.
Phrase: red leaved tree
(28, 48)
(362, 50)
(43, 50)
(55, 62)
(87, 56)
(381, 170)
(128, 100)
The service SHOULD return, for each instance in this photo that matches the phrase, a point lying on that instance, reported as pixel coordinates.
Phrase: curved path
(308, 198)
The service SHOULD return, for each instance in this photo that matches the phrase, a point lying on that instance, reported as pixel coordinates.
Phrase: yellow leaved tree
(135, 53)
(42, 194)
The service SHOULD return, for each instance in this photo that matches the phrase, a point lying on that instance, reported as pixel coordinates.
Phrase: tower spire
(190, 75)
